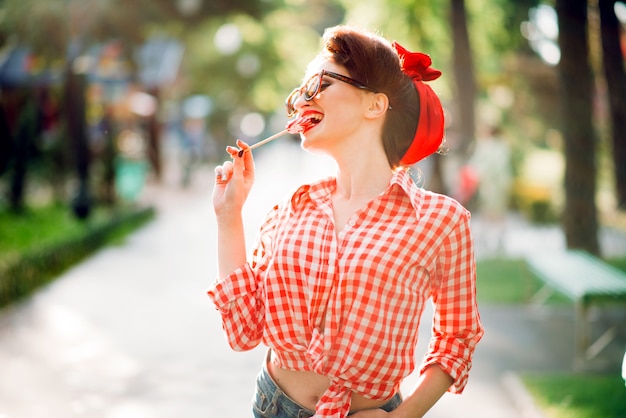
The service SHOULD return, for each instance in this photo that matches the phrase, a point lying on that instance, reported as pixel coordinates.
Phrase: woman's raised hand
(233, 181)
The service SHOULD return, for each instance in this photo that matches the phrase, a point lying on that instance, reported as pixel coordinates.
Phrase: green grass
(38, 227)
(508, 281)
(503, 281)
(40, 243)
(578, 396)
(619, 263)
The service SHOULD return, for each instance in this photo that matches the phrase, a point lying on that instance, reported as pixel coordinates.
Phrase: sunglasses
(312, 87)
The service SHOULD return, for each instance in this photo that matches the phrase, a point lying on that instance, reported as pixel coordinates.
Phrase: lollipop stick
(265, 141)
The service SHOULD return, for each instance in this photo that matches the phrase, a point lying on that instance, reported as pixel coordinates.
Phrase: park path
(130, 333)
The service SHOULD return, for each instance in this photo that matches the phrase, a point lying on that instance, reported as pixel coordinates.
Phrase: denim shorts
(271, 402)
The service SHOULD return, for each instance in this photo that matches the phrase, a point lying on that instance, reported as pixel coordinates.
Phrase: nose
(300, 101)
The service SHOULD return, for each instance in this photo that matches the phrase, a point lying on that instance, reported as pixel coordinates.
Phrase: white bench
(586, 280)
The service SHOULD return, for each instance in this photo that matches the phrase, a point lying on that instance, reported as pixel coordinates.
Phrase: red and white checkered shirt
(348, 305)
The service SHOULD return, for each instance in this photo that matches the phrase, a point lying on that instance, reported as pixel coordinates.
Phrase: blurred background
(113, 114)
(95, 94)
(89, 85)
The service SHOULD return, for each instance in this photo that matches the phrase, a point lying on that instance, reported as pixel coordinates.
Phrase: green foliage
(279, 37)
(282, 42)
(257, 75)
(47, 26)
(38, 245)
(578, 396)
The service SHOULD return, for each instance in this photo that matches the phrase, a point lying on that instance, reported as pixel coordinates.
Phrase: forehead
(318, 65)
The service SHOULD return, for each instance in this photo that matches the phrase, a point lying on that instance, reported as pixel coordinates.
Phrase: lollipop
(294, 126)
(299, 125)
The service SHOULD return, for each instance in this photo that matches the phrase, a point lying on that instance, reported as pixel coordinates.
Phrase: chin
(308, 145)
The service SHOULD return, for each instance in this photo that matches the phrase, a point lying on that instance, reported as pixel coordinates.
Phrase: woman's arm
(234, 293)
(233, 181)
(431, 386)
(231, 245)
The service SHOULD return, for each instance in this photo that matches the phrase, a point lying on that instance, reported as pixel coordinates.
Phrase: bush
(36, 260)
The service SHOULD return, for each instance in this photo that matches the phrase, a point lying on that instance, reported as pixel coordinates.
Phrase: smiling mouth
(315, 118)
(304, 123)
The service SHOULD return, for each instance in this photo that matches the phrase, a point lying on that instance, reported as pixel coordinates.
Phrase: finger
(243, 147)
(232, 151)
(246, 153)
(242, 144)
(227, 170)
(224, 173)
(220, 176)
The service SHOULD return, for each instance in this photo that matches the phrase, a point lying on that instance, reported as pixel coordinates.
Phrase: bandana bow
(416, 64)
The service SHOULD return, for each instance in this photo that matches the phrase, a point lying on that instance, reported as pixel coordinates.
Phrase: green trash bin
(130, 178)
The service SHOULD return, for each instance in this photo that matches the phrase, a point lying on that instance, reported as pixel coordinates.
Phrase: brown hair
(370, 59)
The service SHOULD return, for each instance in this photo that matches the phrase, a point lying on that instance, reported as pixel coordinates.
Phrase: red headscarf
(429, 134)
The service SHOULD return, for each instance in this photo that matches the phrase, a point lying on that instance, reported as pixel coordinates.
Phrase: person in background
(343, 267)
(491, 161)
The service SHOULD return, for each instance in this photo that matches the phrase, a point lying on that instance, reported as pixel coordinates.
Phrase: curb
(520, 396)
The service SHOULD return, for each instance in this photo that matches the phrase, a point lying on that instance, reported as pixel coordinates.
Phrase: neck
(362, 177)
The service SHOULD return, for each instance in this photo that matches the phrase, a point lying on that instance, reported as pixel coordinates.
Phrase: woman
(343, 268)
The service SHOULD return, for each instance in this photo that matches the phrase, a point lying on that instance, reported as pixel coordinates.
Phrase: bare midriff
(306, 388)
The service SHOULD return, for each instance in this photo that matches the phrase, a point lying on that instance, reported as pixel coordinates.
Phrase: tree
(60, 32)
(613, 63)
(25, 132)
(576, 81)
(464, 74)
(42, 24)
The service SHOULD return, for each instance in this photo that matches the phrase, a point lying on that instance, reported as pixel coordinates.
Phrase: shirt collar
(321, 190)
(402, 179)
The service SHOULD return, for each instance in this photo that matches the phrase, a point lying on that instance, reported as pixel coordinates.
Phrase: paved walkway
(129, 333)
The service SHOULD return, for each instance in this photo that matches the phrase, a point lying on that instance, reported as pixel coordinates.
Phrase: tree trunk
(77, 131)
(154, 138)
(6, 141)
(24, 139)
(464, 75)
(576, 80)
(613, 61)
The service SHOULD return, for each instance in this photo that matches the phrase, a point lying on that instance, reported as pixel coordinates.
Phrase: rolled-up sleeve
(240, 303)
(456, 322)
(239, 297)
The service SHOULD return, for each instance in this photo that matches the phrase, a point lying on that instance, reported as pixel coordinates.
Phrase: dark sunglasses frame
(309, 95)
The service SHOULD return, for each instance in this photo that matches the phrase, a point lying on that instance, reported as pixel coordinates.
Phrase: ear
(378, 105)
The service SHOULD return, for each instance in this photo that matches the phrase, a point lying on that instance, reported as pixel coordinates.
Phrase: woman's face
(337, 110)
